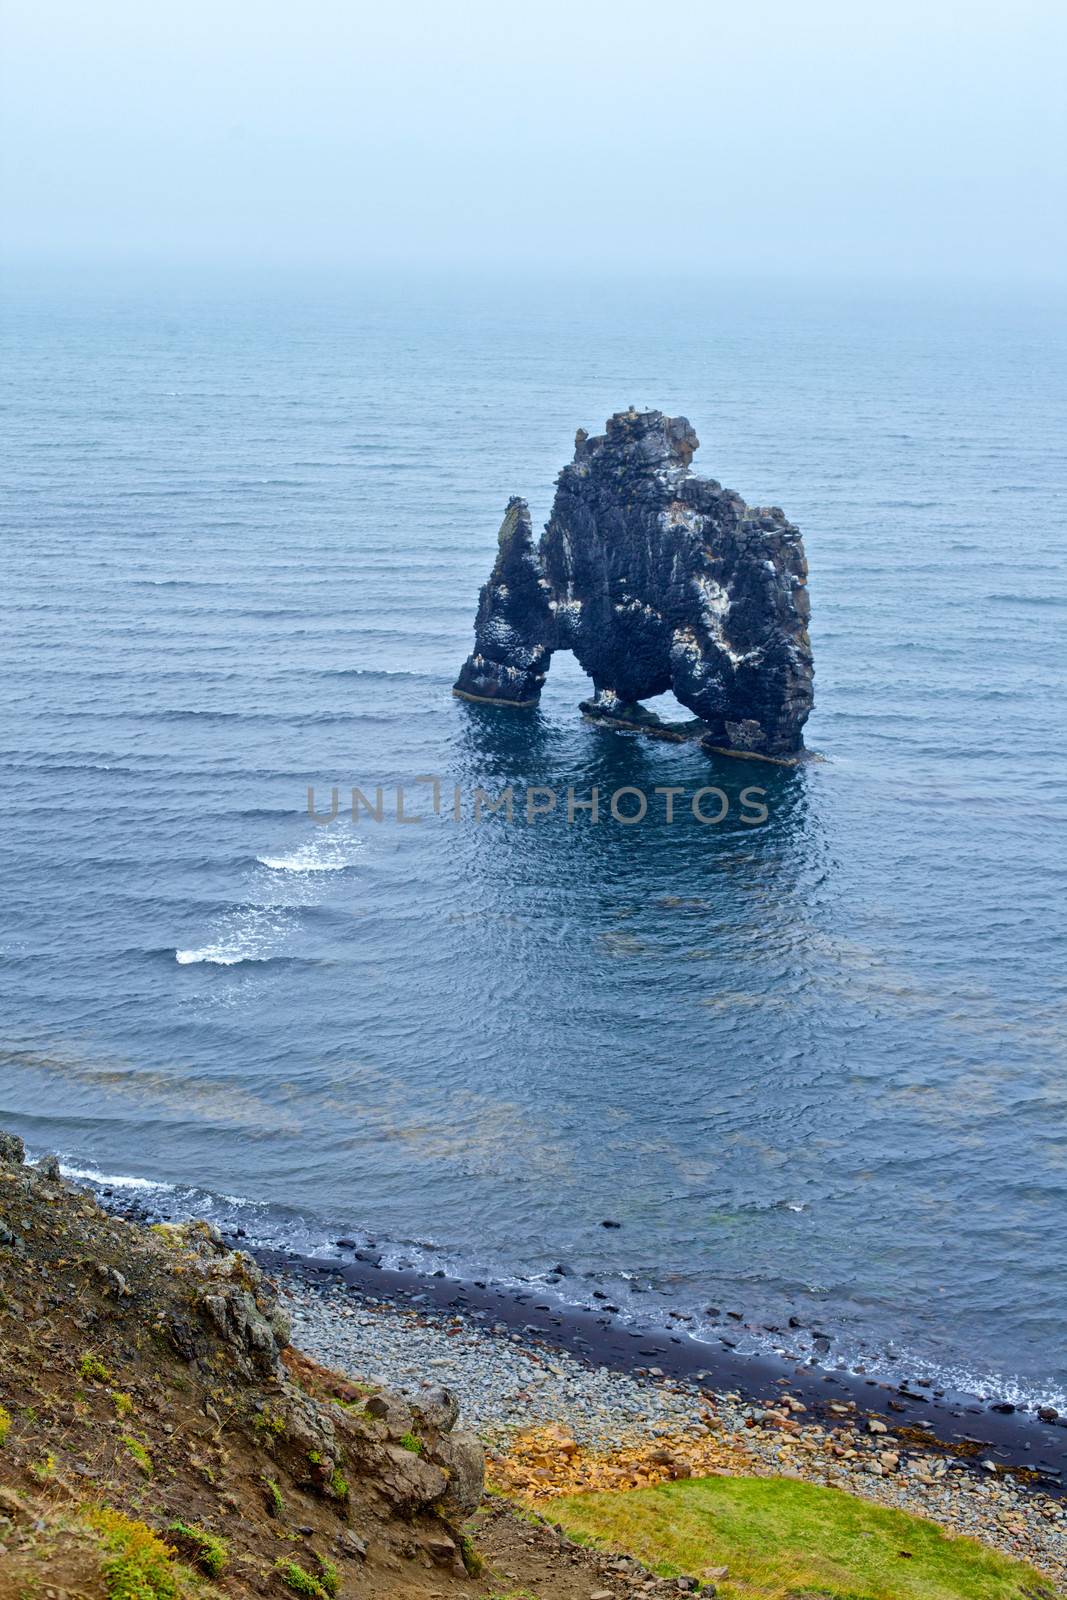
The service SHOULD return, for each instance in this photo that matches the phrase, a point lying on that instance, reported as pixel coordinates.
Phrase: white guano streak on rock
(715, 608)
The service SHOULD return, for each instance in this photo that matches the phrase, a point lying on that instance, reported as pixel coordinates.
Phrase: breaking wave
(326, 853)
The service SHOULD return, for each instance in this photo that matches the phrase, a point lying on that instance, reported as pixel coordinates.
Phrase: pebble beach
(553, 1423)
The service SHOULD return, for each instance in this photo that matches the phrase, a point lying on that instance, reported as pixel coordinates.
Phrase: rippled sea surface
(814, 1068)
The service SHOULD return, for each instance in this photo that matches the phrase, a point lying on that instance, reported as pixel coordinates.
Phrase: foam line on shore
(1014, 1437)
(1013, 1440)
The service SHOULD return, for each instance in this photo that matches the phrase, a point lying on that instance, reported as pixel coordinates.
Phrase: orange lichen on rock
(541, 1463)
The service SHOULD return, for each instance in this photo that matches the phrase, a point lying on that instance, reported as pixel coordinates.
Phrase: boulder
(437, 1410)
(12, 1149)
(409, 1482)
(462, 1457)
(389, 1409)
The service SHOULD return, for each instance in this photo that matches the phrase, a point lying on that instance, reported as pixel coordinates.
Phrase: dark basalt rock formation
(657, 580)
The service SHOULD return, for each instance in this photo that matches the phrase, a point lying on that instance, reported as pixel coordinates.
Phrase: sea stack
(657, 579)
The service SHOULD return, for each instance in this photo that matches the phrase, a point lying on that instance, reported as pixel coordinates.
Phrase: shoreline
(297, 1424)
(1018, 1444)
(567, 1399)
(559, 1413)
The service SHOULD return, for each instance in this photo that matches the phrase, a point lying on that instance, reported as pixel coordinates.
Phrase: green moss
(275, 1502)
(206, 1550)
(268, 1421)
(92, 1368)
(471, 1559)
(301, 1582)
(137, 1565)
(780, 1537)
(355, 1408)
(412, 1442)
(5, 1423)
(139, 1453)
(329, 1577)
(123, 1403)
(338, 1484)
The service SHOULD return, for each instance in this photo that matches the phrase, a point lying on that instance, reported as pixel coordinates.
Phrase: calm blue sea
(813, 1068)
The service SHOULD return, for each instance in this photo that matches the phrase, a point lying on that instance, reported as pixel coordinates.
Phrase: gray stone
(463, 1458)
(442, 1551)
(216, 1307)
(351, 1544)
(390, 1409)
(410, 1482)
(437, 1410)
(12, 1149)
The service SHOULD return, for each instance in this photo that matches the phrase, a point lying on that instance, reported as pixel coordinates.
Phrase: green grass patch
(137, 1450)
(137, 1564)
(5, 1424)
(301, 1582)
(472, 1560)
(92, 1368)
(782, 1539)
(269, 1422)
(329, 1577)
(205, 1550)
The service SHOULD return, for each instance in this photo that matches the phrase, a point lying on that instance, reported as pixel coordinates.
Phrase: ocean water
(814, 1067)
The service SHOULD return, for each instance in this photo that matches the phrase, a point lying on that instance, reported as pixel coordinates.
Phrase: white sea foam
(326, 853)
(109, 1180)
(218, 954)
(297, 863)
(247, 933)
(311, 1239)
(258, 932)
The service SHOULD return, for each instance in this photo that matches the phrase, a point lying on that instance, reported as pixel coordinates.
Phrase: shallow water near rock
(813, 1067)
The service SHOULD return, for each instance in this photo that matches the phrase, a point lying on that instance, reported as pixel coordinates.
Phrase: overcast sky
(866, 137)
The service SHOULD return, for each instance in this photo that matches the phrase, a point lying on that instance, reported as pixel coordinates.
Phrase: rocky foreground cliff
(159, 1438)
(657, 580)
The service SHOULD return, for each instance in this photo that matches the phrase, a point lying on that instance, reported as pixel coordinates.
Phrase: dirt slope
(159, 1439)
